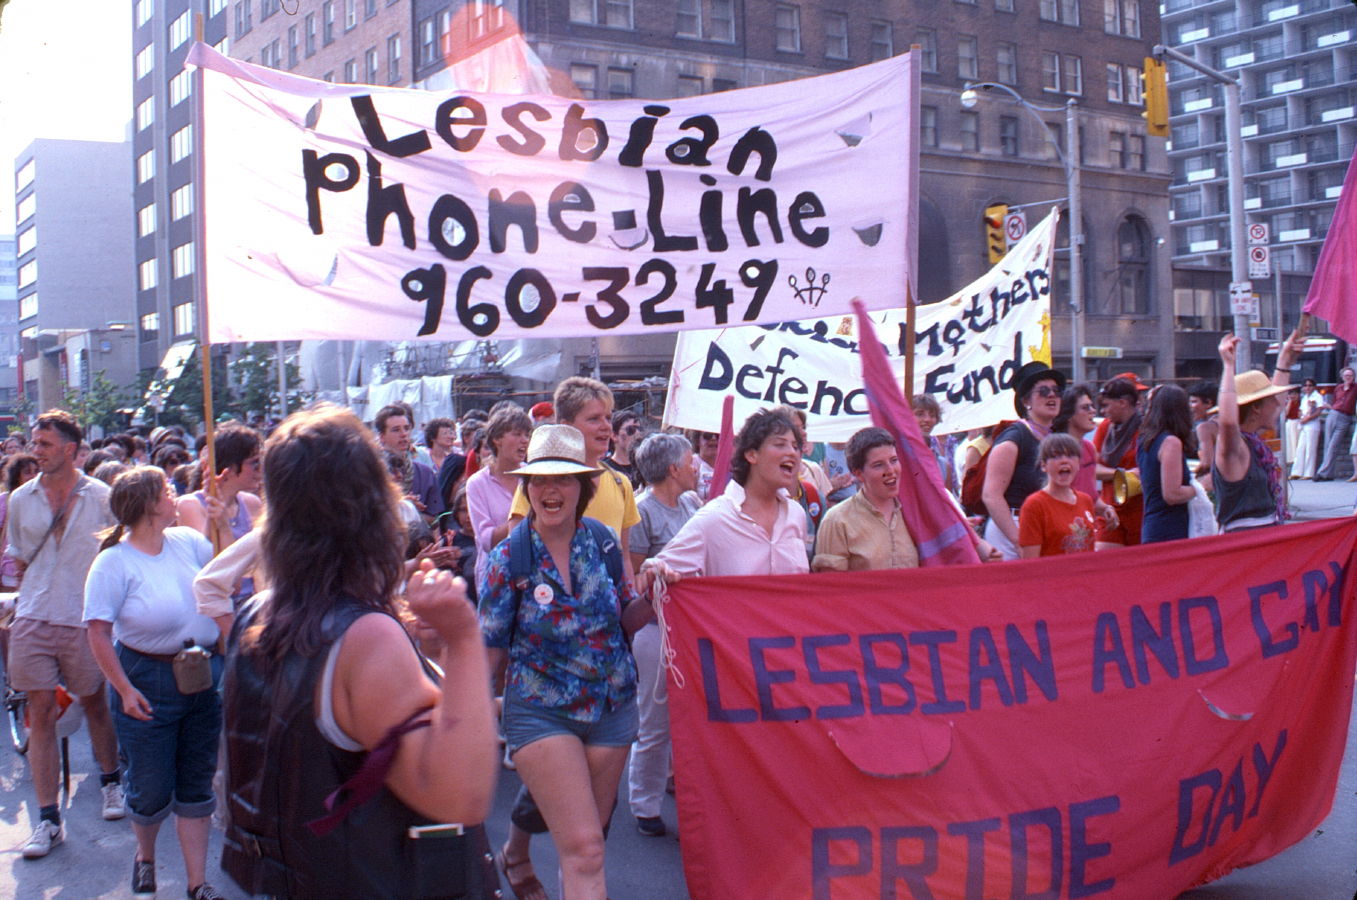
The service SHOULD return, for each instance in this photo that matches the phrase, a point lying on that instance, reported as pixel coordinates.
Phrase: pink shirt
(488, 503)
(1087, 479)
(720, 539)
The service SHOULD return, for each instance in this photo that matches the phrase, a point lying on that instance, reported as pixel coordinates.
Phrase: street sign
(1257, 233)
(1264, 334)
(1260, 262)
(1015, 226)
(1241, 298)
(1101, 352)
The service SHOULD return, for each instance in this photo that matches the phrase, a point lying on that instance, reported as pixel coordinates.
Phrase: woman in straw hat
(1246, 474)
(570, 711)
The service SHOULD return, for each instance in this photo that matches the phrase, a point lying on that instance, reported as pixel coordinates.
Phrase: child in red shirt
(1058, 519)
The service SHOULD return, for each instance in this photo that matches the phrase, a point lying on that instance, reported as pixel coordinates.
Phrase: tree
(254, 373)
(99, 404)
(183, 404)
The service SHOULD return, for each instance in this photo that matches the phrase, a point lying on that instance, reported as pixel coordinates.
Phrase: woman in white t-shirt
(139, 593)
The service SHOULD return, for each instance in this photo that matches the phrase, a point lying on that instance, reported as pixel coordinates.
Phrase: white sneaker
(115, 804)
(45, 837)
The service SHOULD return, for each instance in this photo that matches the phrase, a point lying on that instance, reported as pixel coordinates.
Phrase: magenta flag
(720, 471)
(1333, 290)
(943, 536)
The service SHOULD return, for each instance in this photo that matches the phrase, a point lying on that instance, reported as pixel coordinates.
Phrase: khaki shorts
(43, 655)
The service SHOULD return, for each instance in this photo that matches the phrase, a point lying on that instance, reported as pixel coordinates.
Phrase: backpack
(973, 485)
(522, 564)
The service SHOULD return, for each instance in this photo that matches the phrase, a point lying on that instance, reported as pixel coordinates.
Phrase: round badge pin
(542, 594)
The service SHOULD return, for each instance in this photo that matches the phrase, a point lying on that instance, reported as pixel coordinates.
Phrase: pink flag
(934, 521)
(1333, 290)
(720, 473)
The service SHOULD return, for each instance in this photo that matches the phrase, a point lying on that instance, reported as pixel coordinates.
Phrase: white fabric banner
(967, 349)
(351, 211)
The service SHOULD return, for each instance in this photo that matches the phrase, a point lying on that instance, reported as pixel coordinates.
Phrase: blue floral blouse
(568, 651)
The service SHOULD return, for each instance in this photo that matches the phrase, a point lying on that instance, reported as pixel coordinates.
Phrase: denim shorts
(170, 759)
(525, 723)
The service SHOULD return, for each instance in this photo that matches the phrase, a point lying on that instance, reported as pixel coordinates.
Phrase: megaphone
(1125, 485)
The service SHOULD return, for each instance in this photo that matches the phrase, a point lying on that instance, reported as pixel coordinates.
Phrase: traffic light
(994, 231)
(1156, 93)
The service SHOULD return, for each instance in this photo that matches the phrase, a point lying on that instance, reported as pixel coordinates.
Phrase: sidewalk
(1323, 500)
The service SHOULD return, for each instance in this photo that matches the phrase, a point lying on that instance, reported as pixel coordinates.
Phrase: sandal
(525, 888)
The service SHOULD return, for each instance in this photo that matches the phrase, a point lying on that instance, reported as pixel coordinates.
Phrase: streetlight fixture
(1069, 160)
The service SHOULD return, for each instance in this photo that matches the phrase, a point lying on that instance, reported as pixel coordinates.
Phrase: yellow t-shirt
(614, 504)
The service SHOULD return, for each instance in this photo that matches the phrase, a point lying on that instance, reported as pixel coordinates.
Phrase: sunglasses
(1046, 390)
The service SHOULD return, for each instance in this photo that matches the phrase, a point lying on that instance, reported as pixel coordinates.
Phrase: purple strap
(369, 778)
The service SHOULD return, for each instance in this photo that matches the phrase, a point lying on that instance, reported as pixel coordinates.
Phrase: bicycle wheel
(16, 711)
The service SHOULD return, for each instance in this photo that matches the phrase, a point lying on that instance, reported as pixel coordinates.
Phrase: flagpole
(912, 218)
(200, 290)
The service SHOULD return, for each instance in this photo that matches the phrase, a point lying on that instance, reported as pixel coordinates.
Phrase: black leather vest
(279, 771)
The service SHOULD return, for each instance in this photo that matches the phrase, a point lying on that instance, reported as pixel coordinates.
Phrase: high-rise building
(75, 297)
(1298, 75)
(996, 152)
(9, 327)
(163, 219)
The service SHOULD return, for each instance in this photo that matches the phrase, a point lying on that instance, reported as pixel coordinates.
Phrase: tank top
(1163, 521)
(240, 525)
(1246, 503)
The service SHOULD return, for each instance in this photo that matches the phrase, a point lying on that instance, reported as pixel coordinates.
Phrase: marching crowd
(297, 604)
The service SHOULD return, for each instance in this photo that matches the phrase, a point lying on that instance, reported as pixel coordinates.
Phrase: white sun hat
(556, 450)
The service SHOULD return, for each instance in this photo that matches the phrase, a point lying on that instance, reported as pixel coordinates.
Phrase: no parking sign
(1015, 226)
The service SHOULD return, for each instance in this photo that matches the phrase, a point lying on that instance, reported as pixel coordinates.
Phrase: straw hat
(556, 450)
(1255, 385)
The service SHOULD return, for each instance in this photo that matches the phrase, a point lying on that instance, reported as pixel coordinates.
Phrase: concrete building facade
(9, 327)
(1298, 71)
(75, 258)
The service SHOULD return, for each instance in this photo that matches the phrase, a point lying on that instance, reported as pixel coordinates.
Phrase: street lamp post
(1069, 160)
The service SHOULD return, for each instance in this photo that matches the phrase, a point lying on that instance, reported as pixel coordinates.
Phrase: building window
(350, 14)
(310, 25)
(181, 202)
(28, 273)
(1050, 72)
(181, 86)
(428, 50)
(621, 84)
(970, 131)
(836, 35)
(146, 220)
(369, 8)
(146, 274)
(1003, 5)
(24, 177)
(145, 167)
(370, 65)
(1062, 74)
(444, 22)
(145, 9)
(486, 16)
(689, 19)
(1006, 55)
(1008, 135)
(214, 7)
(1063, 11)
(967, 59)
(927, 39)
(1135, 152)
(293, 47)
(350, 71)
(585, 79)
(882, 44)
(243, 17)
(28, 306)
(145, 113)
(928, 126)
(26, 208)
(271, 54)
(267, 8)
(1133, 264)
(612, 13)
(787, 28)
(721, 26)
(1116, 149)
(223, 46)
(327, 20)
(1115, 83)
(328, 77)
(28, 239)
(181, 260)
(150, 326)
(1073, 74)
(145, 61)
(689, 86)
(1122, 17)
(181, 143)
(179, 31)
(393, 59)
(184, 320)
(1133, 88)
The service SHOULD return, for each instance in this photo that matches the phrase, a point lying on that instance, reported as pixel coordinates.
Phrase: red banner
(1127, 724)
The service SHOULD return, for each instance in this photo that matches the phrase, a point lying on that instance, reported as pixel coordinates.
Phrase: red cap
(1134, 379)
(543, 410)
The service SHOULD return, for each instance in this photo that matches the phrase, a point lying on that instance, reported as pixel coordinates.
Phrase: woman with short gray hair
(665, 461)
